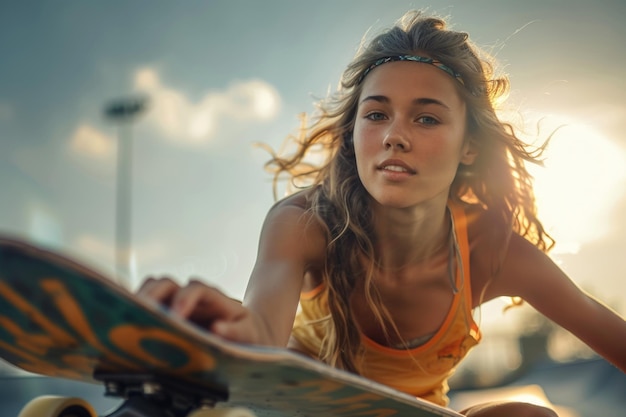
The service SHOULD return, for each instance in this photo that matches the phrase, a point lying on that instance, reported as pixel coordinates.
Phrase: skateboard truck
(144, 395)
(157, 396)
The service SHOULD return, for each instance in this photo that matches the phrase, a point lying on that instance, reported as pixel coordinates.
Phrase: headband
(414, 58)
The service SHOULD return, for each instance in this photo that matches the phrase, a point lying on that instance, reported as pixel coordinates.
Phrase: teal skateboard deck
(60, 318)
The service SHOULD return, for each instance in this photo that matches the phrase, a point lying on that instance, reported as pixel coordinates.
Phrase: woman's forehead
(411, 80)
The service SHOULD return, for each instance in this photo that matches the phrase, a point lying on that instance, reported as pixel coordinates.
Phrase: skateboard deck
(60, 318)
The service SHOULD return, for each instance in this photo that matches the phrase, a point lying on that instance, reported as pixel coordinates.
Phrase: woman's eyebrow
(418, 101)
(427, 100)
(380, 99)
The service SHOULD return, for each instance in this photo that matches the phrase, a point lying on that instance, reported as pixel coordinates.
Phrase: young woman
(421, 211)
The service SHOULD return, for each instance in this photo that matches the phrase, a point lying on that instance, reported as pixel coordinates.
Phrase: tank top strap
(460, 225)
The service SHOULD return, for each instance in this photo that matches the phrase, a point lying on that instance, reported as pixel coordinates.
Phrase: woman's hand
(207, 307)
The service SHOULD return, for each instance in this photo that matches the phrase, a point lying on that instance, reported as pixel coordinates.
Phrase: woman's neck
(408, 236)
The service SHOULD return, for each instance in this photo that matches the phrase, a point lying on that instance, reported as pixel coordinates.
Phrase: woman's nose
(396, 138)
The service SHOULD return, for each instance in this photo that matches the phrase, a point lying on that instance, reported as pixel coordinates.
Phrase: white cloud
(182, 120)
(89, 141)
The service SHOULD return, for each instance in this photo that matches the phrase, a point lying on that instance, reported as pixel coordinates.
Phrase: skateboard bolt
(112, 388)
(150, 388)
(207, 403)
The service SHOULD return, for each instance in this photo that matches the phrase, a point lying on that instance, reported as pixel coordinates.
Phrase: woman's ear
(469, 152)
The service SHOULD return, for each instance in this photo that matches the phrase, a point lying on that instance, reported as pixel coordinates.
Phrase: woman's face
(409, 134)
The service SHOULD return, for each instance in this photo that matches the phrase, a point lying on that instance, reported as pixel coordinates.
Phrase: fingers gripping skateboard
(54, 406)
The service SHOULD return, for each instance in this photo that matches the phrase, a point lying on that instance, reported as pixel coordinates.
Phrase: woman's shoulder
(482, 224)
(498, 255)
(293, 213)
(298, 200)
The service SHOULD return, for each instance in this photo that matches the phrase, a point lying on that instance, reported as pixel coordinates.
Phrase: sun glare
(583, 177)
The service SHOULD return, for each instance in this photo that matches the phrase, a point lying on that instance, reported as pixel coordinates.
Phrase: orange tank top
(422, 371)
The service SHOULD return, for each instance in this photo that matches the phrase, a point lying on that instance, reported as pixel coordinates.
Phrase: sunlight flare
(583, 178)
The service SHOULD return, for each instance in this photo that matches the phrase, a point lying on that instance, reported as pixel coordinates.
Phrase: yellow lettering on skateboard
(130, 337)
(36, 343)
(357, 405)
(323, 388)
(30, 347)
(55, 335)
(39, 344)
(31, 363)
(74, 316)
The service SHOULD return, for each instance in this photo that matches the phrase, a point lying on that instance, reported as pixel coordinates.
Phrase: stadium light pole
(123, 112)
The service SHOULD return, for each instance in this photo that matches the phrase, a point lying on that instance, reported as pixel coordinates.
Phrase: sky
(223, 75)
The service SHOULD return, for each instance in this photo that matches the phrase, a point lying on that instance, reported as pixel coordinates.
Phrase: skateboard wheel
(223, 412)
(54, 406)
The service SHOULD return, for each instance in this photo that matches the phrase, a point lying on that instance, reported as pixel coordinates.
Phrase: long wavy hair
(324, 159)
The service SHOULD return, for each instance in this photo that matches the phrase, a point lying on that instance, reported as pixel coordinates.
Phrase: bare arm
(291, 243)
(533, 276)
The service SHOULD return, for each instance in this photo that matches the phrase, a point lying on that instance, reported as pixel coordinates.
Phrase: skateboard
(60, 318)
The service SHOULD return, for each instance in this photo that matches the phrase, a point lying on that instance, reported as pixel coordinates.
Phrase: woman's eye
(375, 116)
(427, 120)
